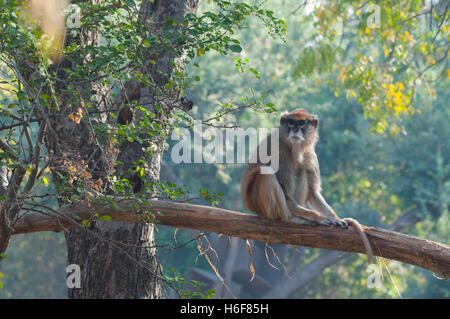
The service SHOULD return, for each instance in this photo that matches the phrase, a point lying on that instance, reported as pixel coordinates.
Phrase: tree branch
(424, 253)
(305, 274)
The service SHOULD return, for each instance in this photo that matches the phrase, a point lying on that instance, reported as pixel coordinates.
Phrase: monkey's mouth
(297, 137)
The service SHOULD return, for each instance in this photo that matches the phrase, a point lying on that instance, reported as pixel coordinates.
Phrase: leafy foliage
(380, 64)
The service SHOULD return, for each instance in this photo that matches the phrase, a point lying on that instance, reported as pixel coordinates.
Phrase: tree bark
(387, 244)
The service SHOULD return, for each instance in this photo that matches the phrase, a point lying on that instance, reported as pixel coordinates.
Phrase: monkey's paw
(341, 223)
(335, 222)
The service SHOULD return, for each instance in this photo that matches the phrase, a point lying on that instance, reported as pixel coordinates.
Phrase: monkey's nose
(295, 129)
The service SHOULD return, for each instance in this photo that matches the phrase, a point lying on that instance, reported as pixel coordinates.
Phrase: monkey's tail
(362, 234)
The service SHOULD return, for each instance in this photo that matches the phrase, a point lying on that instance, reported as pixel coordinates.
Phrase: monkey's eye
(301, 122)
(291, 123)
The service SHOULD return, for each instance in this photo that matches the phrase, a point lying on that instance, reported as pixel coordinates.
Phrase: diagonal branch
(424, 253)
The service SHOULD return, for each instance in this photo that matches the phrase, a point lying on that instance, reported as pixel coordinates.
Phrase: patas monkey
(284, 194)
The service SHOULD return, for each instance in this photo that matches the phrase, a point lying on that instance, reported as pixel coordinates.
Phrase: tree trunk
(118, 259)
(108, 272)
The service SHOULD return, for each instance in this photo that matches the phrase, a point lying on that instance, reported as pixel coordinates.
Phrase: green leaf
(236, 48)
(255, 72)
(107, 218)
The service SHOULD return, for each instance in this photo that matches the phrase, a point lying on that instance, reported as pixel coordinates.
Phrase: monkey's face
(298, 126)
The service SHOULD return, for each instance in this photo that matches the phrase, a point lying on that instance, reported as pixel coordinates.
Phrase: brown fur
(283, 195)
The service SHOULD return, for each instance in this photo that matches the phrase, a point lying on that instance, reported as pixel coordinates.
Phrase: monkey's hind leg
(262, 194)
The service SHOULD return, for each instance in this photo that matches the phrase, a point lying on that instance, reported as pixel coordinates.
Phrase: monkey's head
(299, 126)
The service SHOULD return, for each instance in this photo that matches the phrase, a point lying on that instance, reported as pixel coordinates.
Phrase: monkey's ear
(314, 121)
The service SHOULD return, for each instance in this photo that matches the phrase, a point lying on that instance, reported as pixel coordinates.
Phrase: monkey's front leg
(318, 203)
(305, 213)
